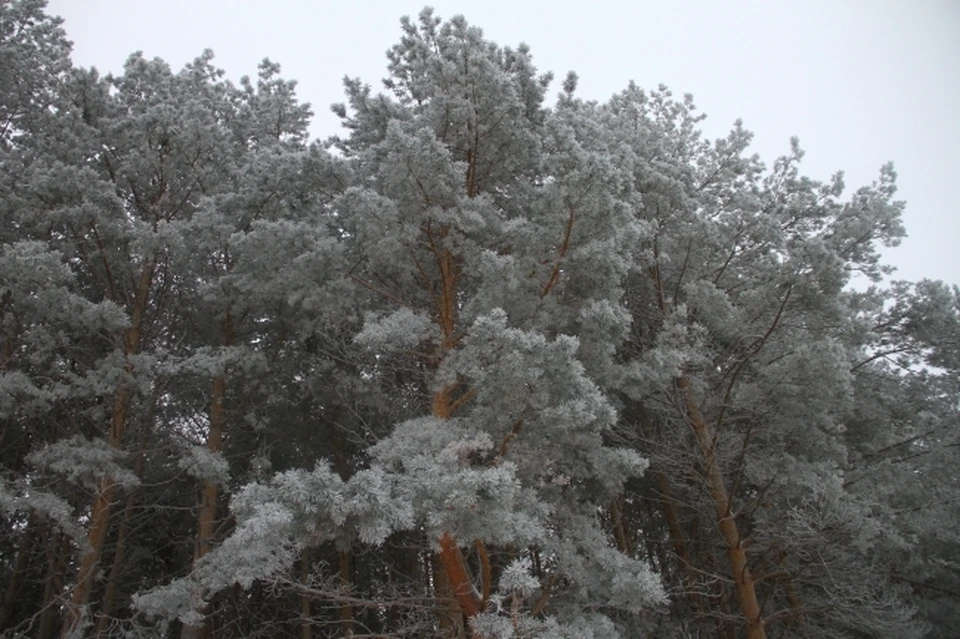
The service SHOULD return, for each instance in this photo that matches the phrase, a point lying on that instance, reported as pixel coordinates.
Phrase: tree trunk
(119, 554)
(794, 600)
(56, 561)
(306, 624)
(624, 544)
(456, 576)
(674, 530)
(726, 521)
(207, 515)
(13, 585)
(110, 592)
(407, 566)
(346, 610)
(99, 522)
(106, 486)
(449, 612)
(680, 547)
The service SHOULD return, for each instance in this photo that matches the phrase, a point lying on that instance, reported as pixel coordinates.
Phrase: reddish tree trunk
(207, 515)
(726, 522)
(119, 555)
(99, 522)
(106, 486)
(210, 493)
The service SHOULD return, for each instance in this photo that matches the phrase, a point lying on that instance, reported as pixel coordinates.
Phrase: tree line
(481, 366)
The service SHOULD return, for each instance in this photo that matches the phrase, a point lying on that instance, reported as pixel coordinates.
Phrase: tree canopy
(485, 365)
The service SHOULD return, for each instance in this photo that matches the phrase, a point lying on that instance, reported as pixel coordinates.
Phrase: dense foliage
(480, 367)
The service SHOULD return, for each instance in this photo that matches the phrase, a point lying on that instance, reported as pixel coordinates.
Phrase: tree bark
(346, 609)
(13, 585)
(99, 522)
(408, 563)
(58, 548)
(624, 544)
(672, 518)
(106, 486)
(110, 592)
(680, 546)
(726, 521)
(306, 624)
(456, 576)
(119, 554)
(207, 515)
(449, 613)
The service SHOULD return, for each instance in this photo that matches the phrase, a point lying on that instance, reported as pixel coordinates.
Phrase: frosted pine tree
(267, 256)
(57, 361)
(901, 438)
(479, 367)
(486, 236)
(739, 376)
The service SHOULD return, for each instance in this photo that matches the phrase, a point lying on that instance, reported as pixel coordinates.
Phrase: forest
(488, 364)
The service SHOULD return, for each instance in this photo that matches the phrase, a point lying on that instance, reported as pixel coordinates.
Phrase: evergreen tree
(482, 366)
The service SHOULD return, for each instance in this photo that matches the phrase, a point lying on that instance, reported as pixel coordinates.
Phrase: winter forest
(497, 362)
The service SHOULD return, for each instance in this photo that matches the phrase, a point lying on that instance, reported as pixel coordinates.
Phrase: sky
(860, 82)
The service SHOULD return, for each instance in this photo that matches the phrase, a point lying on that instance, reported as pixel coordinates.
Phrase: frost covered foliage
(201, 463)
(494, 626)
(400, 329)
(22, 499)
(84, 462)
(508, 616)
(430, 460)
(486, 365)
(259, 548)
(275, 519)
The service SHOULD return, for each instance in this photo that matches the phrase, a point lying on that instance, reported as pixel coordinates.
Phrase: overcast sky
(860, 82)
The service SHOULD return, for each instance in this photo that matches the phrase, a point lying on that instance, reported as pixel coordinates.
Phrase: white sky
(860, 82)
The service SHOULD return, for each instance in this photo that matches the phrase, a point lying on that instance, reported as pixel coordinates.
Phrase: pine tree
(481, 366)
(476, 201)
